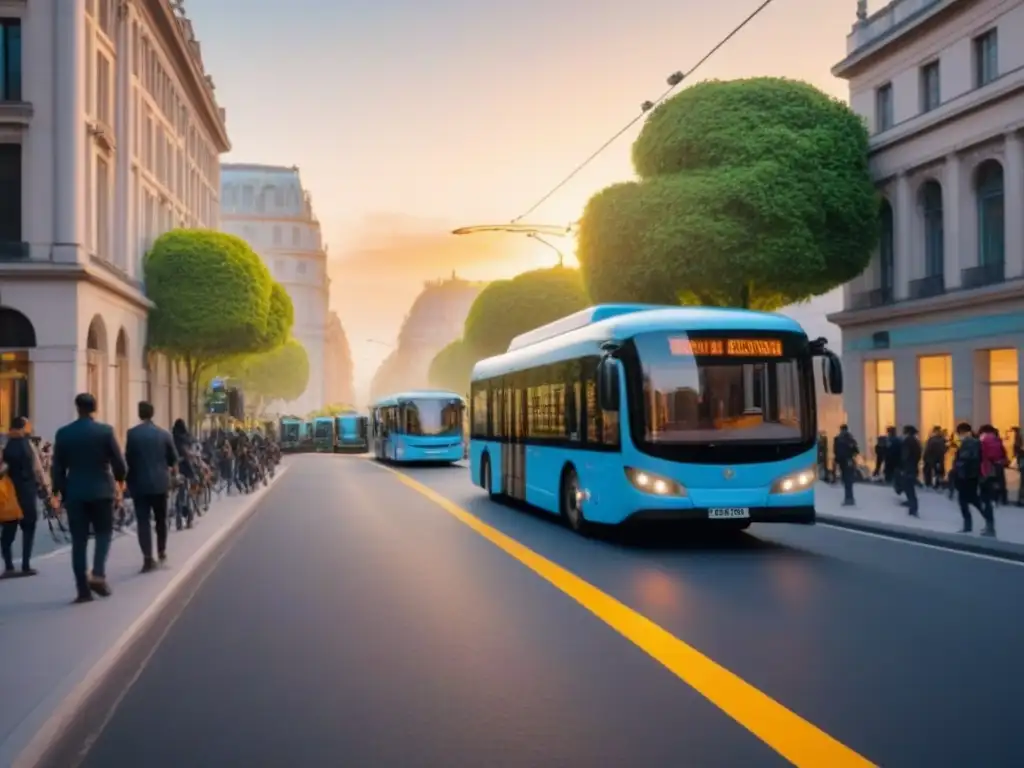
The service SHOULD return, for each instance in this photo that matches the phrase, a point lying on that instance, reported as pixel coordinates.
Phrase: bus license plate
(729, 513)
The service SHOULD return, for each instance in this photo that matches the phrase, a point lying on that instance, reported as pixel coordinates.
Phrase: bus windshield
(290, 431)
(433, 418)
(322, 429)
(698, 391)
(348, 425)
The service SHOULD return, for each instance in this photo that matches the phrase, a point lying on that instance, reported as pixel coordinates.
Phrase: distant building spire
(862, 10)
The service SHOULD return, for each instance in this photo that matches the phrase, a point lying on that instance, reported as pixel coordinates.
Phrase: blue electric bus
(350, 433)
(418, 426)
(640, 412)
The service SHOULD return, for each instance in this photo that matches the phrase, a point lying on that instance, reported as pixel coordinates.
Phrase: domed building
(267, 207)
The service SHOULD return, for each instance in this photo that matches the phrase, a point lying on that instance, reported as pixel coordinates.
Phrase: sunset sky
(410, 117)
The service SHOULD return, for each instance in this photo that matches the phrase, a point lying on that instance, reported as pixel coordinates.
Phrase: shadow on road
(657, 536)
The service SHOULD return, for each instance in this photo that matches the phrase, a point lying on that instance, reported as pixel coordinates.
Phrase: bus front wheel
(572, 510)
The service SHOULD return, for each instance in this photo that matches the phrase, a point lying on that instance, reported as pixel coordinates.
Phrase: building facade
(338, 381)
(109, 135)
(933, 330)
(268, 207)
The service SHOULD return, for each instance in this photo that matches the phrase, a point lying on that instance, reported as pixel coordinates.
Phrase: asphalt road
(356, 622)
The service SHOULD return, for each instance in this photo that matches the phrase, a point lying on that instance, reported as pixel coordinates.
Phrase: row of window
(269, 198)
(10, 60)
(552, 403)
(989, 190)
(936, 391)
(986, 69)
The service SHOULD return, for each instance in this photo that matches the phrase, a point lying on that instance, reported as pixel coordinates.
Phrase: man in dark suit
(150, 454)
(88, 472)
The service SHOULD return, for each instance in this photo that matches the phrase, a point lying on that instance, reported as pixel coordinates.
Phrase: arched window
(931, 207)
(991, 219)
(887, 251)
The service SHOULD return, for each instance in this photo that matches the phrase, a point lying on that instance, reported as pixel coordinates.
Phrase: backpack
(968, 458)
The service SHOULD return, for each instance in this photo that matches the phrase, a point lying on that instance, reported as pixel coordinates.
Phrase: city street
(356, 621)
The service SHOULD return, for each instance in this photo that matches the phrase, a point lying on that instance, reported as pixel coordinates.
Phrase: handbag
(10, 510)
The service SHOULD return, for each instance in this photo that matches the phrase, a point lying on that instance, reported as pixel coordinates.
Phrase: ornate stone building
(110, 134)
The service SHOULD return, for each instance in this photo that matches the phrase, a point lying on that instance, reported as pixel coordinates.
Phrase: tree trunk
(193, 370)
(745, 296)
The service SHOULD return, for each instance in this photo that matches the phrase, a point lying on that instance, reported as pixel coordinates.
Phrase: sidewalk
(59, 652)
(878, 510)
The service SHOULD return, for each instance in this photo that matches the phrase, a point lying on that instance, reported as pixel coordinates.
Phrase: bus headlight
(796, 481)
(654, 484)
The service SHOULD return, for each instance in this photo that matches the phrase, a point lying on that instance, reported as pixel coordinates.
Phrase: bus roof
(619, 322)
(323, 418)
(417, 394)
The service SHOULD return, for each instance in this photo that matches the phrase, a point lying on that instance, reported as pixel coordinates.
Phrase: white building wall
(956, 313)
(121, 145)
(268, 207)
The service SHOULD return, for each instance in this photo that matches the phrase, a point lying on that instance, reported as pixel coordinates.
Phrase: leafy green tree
(752, 193)
(213, 300)
(451, 367)
(334, 409)
(280, 374)
(507, 308)
(280, 318)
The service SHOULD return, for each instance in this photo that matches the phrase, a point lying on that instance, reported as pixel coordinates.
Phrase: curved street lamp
(533, 231)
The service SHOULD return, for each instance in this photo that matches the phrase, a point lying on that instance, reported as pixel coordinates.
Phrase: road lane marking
(798, 741)
(924, 545)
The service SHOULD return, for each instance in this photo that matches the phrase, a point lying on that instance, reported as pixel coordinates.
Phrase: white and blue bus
(350, 433)
(418, 426)
(640, 412)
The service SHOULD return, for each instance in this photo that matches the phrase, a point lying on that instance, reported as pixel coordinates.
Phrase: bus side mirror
(832, 373)
(608, 385)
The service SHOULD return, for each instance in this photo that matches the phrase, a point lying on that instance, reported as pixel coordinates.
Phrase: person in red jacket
(993, 466)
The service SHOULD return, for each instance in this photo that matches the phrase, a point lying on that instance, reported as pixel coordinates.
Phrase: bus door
(361, 429)
(513, 458)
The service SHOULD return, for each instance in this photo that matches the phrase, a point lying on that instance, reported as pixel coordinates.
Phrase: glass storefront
(881, 375)
(1004, 392)
(15, 375)
(936, 376)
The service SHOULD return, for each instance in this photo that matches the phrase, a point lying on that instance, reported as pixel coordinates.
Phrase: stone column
(908, 388)
(55, 382)
(952, 199)
(69, 131)
(1013, 181)
(904, 256)
(123, 131)
(963, 385)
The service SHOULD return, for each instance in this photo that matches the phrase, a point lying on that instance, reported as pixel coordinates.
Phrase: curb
(84, 711)
(993, 548)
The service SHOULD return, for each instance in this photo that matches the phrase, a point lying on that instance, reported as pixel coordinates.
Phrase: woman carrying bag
(20, 488)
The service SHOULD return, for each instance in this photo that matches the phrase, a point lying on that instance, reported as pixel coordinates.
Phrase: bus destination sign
(680, 346)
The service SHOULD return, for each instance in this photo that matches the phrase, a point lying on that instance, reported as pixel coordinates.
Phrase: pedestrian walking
(910, 459)
(26, 474)
(88, 473)
(845, 450)
(967, 473)
(151, 457)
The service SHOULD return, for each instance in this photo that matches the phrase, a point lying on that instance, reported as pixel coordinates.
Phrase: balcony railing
(877, 297)
(982, 275)
(926, 287)
(14, 251)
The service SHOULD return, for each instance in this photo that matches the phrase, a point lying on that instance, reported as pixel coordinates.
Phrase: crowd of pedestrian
(89, 476)
(976, 475)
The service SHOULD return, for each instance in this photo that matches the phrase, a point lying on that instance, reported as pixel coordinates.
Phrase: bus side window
(591, 410)
(570, 374)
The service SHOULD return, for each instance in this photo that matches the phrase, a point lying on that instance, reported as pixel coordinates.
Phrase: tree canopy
(213, 300)
(280, 318)
(280, 374)
(451, 367)
(507, 308)
(752, 193)
(334, 409)
(212, 295)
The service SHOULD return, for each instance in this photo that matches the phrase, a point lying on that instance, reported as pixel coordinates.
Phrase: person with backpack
(993, 465)
(967, 474)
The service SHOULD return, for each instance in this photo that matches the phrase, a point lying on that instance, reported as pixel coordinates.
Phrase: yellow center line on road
(798, 741)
